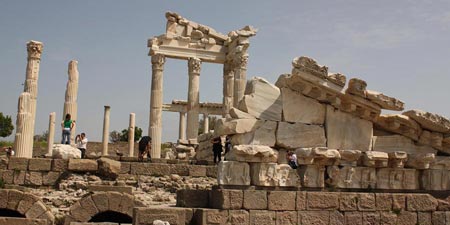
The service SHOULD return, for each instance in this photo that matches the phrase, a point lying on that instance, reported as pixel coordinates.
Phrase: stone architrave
(430, 121)
(345, 131)
(433, 139)
(262, 100)
(233, 173)
(299, 135)
(398, 179)
(317, 156)
(299, 108)
(105, 137)
(399, 124)
(194, 65)
(131, 130)
(252, 153)
(273, 175)
(393, 143)
(352, 177)
(70, 100)
(156, 99)
(312, 176)
(225, 126)
(375, 159)
(51, 133)
(436, 180)
(263, 135)
(420, 161)
(23, 143)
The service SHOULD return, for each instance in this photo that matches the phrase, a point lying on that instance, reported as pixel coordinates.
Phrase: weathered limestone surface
(299, 108)
(23, 143)
(233, 173)
(392, 178)
(430, 121)
(440, 163)
(263, 135)
(273, 175)
(399, 124)
(393, 143)
(436, 180)
(108, 168)
(397, 159)
(262, 100)
(375, 159)
(236, 126)
(61, 151)
(317, 156)
(385, 102)
(70, 103)
(352, 177)
(433, 139)
(356, 87)
(312, 176)
(299, 135)
(156, 100)
(252, 153)
(238, 114)
(420, 161)
(349, 157)
(345, 131)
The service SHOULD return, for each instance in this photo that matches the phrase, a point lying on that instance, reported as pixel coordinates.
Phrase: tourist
(81, 141)
(292, 160)
(217, 149)
(67, 126)
(9, 151)
(145, 144)
(228, 145)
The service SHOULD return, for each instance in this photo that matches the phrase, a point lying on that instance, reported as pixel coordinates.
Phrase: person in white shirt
(292, 160)
(81, 141)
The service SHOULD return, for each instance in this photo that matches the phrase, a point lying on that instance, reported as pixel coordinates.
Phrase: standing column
(23, 142)
(106, 130)
(240, 77)
(131, 135)
(70, 103)
(193, 106)
(182, 126)
(205, 123)
(51, 133)
(156, 98)
(228, 87)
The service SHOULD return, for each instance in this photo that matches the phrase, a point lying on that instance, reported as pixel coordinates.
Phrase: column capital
(194, 65)
(241, 61)
(158, 61)
(34, 49)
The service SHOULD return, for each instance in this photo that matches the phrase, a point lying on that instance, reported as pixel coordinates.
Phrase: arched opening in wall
(10, 213)
(112, 217)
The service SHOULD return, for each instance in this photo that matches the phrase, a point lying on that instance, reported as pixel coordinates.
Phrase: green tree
(212, 122)
(114, 136)
(6, 126)
(137, 134)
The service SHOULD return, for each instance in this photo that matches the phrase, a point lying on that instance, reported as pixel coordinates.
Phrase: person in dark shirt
(145, 144)
(217, 149)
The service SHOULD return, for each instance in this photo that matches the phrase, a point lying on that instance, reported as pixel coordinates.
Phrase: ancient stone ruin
(355, 164)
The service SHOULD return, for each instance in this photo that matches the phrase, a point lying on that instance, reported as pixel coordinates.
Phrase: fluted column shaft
(240, 78)
(105, 130)
(51, 133)
(193, 106)
(182, 126)
(156, 98)
(70, 103)
(23, 142)
(228, 88)
(131, 128)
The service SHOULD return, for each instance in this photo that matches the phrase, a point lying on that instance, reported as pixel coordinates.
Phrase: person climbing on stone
(67, 126)
(292, 160)
(81, 141)
(217, 149)
(145, 144)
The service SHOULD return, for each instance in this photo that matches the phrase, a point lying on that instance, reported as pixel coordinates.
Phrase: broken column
(194, 65)
(156, 98)
(105, 130)
(131, 134)
(51, 133)
(240, 77)
(23, 142)
(70, 103)
(182, 126)
(205, 123)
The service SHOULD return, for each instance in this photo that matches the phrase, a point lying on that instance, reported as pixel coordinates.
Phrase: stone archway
(24, 205)
(98, 203)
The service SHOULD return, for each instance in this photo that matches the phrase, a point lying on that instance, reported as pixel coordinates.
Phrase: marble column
(105, 130)
(182, 126)
(240, 78)
(131, 134)
(23, 142)
(193, 106)
(156, 99)
(70, 103)
(205, 123)
(51, 133)
(228, 87)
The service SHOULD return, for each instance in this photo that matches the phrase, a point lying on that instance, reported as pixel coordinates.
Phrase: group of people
(80, 140)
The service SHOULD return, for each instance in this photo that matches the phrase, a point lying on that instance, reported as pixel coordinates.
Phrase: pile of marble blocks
(339, 136)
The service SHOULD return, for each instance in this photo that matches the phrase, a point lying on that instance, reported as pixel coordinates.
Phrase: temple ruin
(355, 164)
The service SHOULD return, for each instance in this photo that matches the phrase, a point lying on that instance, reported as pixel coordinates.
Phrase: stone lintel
(399, 124)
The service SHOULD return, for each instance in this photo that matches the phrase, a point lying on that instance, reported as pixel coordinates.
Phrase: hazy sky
(401, 48)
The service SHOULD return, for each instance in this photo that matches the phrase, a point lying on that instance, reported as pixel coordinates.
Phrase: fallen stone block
(61, 151)
(238, 114)
(233, 173)
(385, 102)
(108, 168)
(298, 135)
(252, 153)
(394, 143)
(263, 135)
(226, 126)
(83, 165)
(318, 156)
(429, 121)
(299, 108)
(399, 124)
